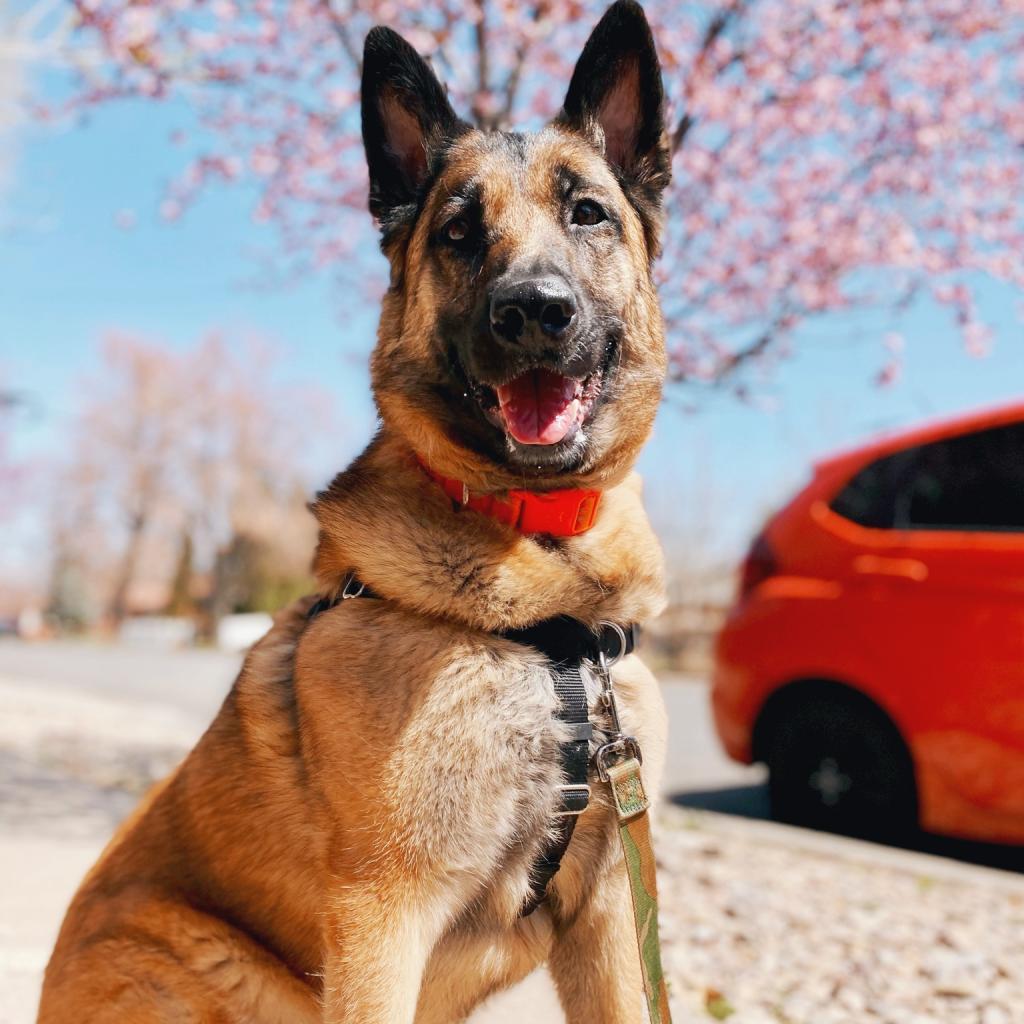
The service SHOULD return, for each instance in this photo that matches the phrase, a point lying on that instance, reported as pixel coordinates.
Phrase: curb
(860, 851)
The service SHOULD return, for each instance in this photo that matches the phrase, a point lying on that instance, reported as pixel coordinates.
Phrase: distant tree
(177, 452)
(181, 601)
(235, 576)
(250, 575)
(829, 155)
(15, 406)
(68, 606)
(125, 436)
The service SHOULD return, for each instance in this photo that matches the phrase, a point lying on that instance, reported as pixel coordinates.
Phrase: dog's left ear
(616, 99)
(407, 119)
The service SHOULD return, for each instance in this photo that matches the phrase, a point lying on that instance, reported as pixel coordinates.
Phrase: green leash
(618, 763)
(631, 806)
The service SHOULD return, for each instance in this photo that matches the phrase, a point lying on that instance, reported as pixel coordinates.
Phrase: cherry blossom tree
(829, 155)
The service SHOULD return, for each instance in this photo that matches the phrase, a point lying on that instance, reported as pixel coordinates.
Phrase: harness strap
(574, 757)
(565, 639)
(566, 643)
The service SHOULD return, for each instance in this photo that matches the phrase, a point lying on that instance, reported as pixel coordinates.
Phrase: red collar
(558, 513)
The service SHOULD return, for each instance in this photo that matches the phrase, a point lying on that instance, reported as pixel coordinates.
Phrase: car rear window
(971, 482)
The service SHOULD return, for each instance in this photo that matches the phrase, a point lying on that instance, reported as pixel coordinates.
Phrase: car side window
(974, 482)
(872, 497)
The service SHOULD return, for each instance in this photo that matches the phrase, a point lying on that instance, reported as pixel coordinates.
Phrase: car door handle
(899, 568)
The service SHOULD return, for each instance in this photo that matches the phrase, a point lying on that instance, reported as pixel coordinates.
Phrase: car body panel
(927, 623)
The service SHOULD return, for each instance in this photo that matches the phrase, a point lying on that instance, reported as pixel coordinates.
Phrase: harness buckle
(622, 748)
(575, 799)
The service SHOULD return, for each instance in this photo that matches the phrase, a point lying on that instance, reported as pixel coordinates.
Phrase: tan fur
(351, 839)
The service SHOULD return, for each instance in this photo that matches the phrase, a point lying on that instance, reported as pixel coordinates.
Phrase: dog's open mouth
(540, 407)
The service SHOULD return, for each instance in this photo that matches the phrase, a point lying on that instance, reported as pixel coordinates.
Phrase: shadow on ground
(752, 802)
(72, 788)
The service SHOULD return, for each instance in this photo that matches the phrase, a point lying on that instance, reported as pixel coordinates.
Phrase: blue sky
(713, 470)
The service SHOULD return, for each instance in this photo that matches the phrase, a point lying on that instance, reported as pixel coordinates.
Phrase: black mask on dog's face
(521, 332)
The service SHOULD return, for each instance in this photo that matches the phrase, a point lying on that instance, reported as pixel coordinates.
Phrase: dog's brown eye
(456, 230)
(587, 212)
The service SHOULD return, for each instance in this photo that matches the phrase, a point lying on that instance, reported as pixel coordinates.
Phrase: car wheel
(838, 763)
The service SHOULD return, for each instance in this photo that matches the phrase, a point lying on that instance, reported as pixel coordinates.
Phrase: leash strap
(631, 805)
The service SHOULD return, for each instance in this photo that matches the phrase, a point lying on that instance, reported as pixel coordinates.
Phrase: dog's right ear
(617, 100)
(406, 120)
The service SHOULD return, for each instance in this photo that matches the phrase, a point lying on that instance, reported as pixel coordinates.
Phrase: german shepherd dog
(353, 837)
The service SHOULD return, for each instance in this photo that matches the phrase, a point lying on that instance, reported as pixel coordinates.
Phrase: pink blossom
(977, 338)
(828, 154)
(126, 219)
(170, 210)
(889, 374)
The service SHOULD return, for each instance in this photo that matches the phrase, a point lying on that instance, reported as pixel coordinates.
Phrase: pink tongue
(540, 407)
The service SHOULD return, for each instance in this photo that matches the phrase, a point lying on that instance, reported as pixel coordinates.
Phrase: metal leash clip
(619, 747)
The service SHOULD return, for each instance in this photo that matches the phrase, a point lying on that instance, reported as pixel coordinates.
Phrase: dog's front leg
(595, 962)
(377, 951)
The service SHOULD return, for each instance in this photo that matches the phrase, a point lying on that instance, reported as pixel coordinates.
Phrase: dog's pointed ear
(616, 97)
(406, 119)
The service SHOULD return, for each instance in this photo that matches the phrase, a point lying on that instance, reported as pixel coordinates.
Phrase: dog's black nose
(537, 307)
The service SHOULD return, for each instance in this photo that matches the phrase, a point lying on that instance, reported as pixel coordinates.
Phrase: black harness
(567, 643)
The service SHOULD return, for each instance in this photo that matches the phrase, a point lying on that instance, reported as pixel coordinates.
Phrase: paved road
(121, 690)
(194, 683)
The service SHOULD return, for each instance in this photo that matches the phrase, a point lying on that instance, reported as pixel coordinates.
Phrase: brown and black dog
(352, 839)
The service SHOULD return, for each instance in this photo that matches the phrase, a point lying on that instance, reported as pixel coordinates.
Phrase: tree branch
(483, 119)
(344, 36)
(516, 74)
(733, 361)
(715, 28)
(748, 352)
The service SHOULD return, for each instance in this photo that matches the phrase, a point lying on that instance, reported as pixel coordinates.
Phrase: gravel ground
(769, 925)
(761, 924)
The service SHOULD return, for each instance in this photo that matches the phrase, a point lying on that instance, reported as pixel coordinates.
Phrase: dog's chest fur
(450, 759)
(434, 737)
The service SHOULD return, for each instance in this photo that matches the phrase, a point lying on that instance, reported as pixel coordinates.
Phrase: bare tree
(203, 443)
(123, 444)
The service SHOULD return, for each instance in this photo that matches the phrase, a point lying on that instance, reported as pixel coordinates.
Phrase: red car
(874, 659)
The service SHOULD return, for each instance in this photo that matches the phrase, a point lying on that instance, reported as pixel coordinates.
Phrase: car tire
(837, 763)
